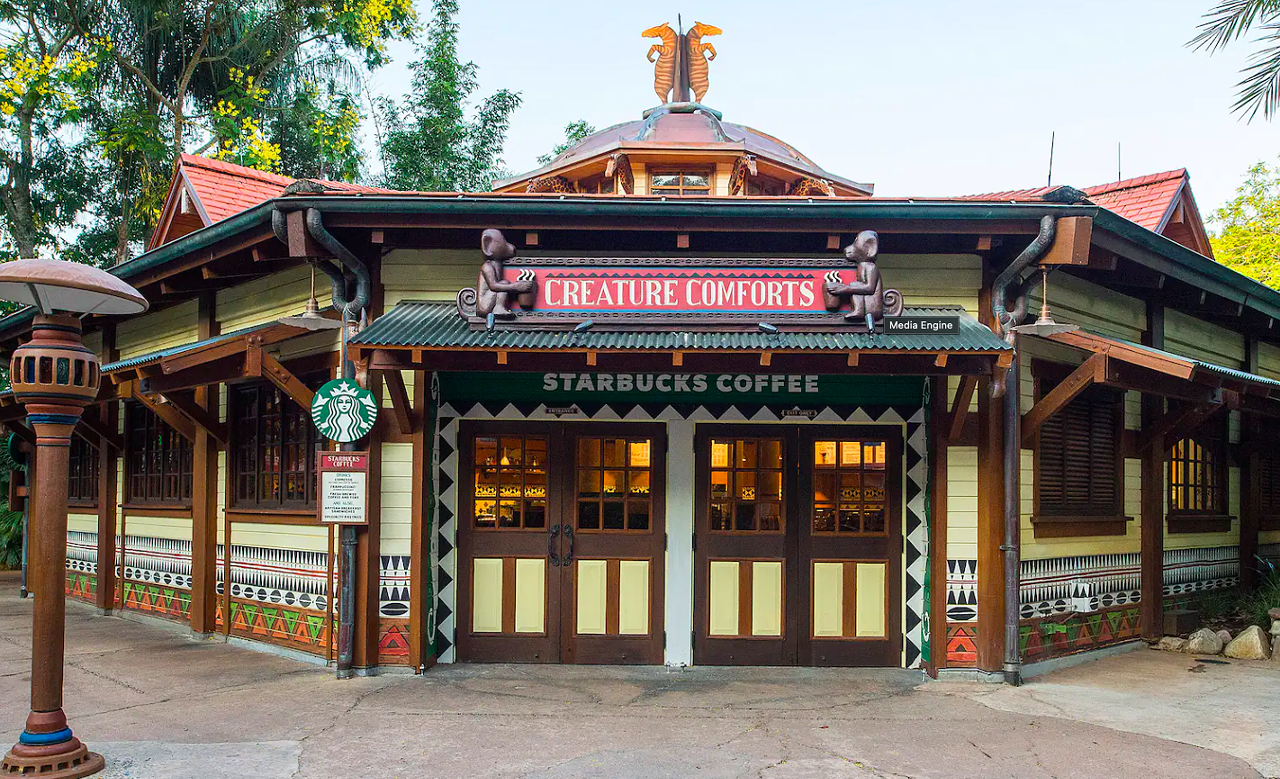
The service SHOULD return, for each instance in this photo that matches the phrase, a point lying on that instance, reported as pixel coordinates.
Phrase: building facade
(643, 406)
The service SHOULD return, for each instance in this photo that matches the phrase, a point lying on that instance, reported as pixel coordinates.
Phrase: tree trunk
(19, 211)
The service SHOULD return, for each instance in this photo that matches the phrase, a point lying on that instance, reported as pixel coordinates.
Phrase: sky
(920, 97)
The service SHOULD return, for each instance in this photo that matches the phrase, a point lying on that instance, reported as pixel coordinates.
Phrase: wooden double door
(798, 545)
(561, 542)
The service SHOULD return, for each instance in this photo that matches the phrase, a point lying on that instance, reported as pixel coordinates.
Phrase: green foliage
(1248, 238)
(574, 133)
(10, 529)
(429, 143)
(318, 134)
(1230, 20)
(1256, 604)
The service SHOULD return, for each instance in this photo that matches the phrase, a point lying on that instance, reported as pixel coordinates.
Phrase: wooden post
(1250, 478)
(368, 583)
(204, 493)
(939, 436)
(1152, 557)
(108, 459)
(990, 588)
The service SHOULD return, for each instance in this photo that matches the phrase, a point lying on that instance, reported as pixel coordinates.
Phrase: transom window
(511, 482)
(1197, 478)
(82, 486)
(746, 485)
(613, 478)
(682, 182)
(157, 459)
(849, 487)
(274, 445)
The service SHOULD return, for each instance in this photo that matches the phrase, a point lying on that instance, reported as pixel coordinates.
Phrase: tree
(574, 133)
(46, 73)
(429, 143)
(1249, 237)
(316, 134)
(1230, 20)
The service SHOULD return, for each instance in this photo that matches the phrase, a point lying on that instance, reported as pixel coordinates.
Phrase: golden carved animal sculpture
(811, 186)
(551, 184)
(699, 55)
(664, 70)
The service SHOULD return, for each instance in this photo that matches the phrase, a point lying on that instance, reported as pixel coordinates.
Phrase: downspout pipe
(1011, 280)
(351, 306)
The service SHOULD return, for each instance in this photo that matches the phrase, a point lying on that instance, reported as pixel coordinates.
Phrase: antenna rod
(1119, 177)
(1052, 138)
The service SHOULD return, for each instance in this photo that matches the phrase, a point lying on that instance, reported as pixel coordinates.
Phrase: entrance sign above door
(343, 411)
(563, 292)
(344, 488)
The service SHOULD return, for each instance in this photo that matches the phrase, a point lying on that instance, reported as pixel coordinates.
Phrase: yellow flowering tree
(317, 134)
(46, 72)
(1248, 235)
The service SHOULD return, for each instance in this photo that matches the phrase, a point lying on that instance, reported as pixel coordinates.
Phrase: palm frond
(1230, 20)
(1259, 90)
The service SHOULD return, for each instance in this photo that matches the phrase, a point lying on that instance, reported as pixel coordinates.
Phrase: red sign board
(343, 497)
(758, 290)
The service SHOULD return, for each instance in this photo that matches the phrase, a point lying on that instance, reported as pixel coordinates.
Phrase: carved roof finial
(680, 60)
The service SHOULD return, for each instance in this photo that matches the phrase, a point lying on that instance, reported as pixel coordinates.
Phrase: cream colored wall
(1269, 360)
(174, 326)
(419, 274)
(397, 493)
(158, 527)
(935, 279)
(267, 299)
(306, 538)
(1202, 340)
(962, 503)
(84, 523)
(1095, 308)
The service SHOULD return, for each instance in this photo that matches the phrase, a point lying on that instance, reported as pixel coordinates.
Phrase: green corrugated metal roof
(157, 356)
(1234, 373)
(415, 323)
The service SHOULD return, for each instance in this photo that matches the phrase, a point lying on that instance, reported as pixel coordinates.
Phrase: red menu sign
(678, 289)
(344, 488)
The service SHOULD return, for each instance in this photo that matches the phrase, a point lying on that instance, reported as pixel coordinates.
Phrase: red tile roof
(224, 189)
(1147, 200)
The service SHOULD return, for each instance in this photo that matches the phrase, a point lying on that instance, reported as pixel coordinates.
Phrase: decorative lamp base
(65, 760)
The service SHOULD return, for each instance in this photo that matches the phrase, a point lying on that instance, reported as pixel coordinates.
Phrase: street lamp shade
(58, 285)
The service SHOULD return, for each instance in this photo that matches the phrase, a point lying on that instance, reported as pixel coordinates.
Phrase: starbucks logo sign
(343, 411)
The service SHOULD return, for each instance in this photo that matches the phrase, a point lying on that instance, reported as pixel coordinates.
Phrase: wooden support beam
(852, 360)
(1091, 370)
(833, 241)
(172, 417)
(1071, 244)
(1175, 425)
(203, 419)
(1151, 557)
(24, 433)
(401, 408)
(682, 240)
(291, 385)
(591, 358)
(502, 357)
(113, 439)
(941, 360)
(677, 359)
(960, 407)
(766, 358)
(531, 238)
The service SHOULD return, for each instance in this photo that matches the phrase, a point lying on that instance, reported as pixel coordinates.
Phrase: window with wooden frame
(680, 182)
(1267, 481)
(82, 474)
(511, 482)
(597, 185)
(746, 485)
(1197, 479)
(614, 476)
(1079, 469)
(274, 446)
(763, 185)
(158, 460)
(849, 487)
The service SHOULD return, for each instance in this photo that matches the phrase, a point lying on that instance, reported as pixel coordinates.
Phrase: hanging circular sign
(343, 411)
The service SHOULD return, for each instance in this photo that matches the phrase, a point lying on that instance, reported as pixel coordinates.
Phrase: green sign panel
(792, 389)
(343, 411)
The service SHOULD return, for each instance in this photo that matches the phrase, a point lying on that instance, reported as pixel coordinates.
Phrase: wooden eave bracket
(203, 419)
(259, 364)
(23, 432)
(401, 406)
(1177, 424)
(211, 352)
(960, 407)
(95, 432)
(1092, 370)
(171, 416)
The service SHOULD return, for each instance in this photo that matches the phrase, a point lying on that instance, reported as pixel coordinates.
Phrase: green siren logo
(343, 411)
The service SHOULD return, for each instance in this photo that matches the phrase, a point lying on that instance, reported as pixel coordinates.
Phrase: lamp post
(54, 376)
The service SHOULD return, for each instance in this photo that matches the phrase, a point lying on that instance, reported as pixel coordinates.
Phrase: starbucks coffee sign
(343, 411)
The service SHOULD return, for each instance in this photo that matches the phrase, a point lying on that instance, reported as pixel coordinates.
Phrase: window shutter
(1079, 459)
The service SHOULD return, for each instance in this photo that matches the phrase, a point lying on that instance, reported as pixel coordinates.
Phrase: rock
(1172, 644)
(1274, 613)
(1204, 642)
(1224, 636)
(1251, 644)
(1275, 651)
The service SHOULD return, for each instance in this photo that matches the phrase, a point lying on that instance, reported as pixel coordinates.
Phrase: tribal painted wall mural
(915, 466)
(280, 596)
(82, 565)
(393, 611)
(156, 576)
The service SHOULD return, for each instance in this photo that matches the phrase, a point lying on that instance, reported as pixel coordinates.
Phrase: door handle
(551, 546)
(568, 534)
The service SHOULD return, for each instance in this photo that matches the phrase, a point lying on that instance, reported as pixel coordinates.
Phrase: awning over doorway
(420, 333)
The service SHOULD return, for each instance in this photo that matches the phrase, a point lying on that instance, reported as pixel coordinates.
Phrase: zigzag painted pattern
(916, 551)
(393, 597)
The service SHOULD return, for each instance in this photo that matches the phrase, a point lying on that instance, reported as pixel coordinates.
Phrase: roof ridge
(243, 171)
(1136, 182)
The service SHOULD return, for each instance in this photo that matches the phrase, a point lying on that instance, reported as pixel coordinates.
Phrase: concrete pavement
(159, 704)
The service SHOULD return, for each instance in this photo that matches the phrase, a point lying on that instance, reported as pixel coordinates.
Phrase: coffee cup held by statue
(832, 302)
(528, 299)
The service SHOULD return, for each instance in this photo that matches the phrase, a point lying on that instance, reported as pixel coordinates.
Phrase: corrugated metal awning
(1177, 365)
(416, 324)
